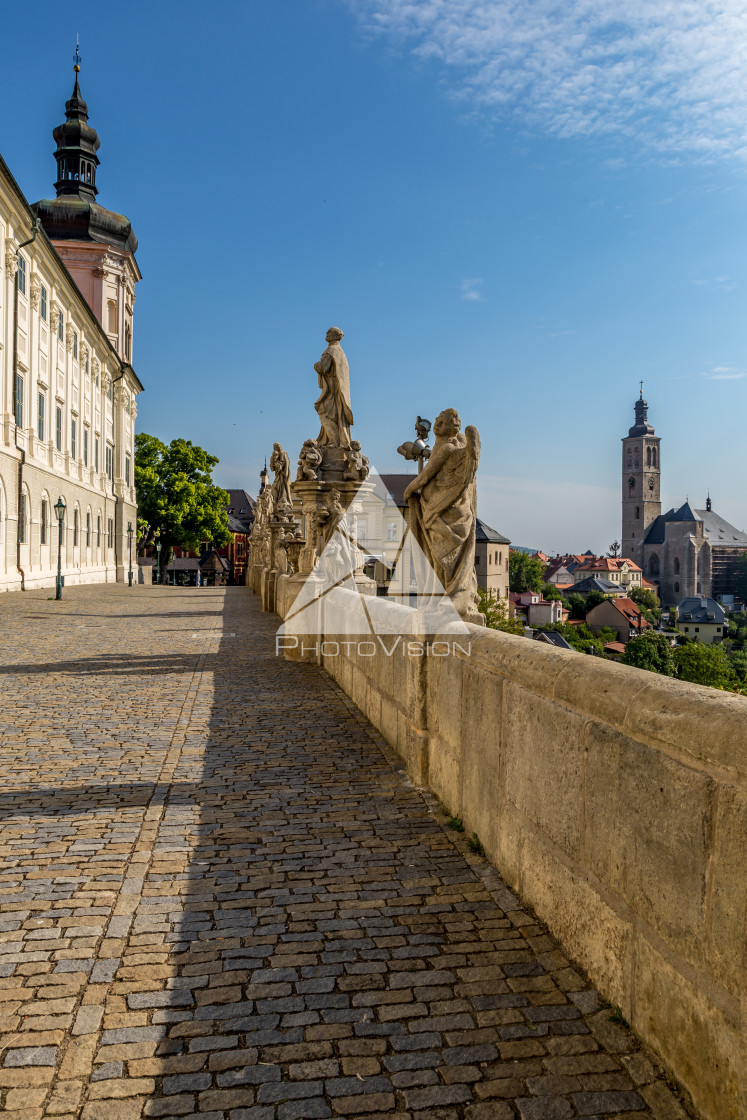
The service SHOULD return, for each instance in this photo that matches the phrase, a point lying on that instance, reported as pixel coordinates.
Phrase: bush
(650, 651)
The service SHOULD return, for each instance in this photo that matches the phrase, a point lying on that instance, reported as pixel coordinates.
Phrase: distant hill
(522, 548)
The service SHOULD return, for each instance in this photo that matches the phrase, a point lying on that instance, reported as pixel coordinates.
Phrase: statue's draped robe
(443, 518)
(333, 405)
(280, 464)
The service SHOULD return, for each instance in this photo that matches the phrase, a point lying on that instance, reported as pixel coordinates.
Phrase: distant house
(529, 606)
(594, 583)
(616, 569)
(491, 560)
(702, 620)
(553, 638)
(622, 615)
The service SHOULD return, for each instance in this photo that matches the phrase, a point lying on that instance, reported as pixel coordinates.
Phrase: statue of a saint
(280, 489)
(333, 405)
(443, 511)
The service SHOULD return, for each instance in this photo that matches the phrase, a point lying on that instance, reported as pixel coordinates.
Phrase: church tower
(98, 246)
(641, 476)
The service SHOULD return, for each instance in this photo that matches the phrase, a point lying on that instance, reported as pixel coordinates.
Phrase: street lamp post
(158, 560)
(59, 510)
(129, 537)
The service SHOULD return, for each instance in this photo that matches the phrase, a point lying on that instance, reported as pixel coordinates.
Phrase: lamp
(59, 512)
(129, 536)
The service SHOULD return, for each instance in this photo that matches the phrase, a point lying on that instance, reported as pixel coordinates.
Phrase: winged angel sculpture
(443, 511)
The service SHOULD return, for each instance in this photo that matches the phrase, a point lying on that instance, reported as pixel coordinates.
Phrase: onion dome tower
(98, 246)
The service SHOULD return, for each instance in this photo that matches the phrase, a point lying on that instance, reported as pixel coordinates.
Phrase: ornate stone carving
(68, 338)
(35, 292)
(356, 464)
(309, 462)
(95, 367)
(333, 406)
(99, 272)
(280, 465)
(133, 409)
(443, 511)
(11, 260)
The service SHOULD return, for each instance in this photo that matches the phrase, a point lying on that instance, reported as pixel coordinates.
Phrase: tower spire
(77, 144)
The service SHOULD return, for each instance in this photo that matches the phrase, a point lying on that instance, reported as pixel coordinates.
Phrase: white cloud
(471, 291)
(668, 74)
(725, 373)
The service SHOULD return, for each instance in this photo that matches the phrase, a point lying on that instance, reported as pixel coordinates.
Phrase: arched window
(677, 586)
(98, 531)
(653, 456)
(111, 317)
(648, 456)
(653, 566)
(698, 587)
(88, 530)
(676, 565)
(75, 529)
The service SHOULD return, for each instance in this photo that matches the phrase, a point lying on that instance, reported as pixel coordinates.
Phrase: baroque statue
(309, 461)
(280, 489)
(356, 463)
(443, 511)
(333, 405)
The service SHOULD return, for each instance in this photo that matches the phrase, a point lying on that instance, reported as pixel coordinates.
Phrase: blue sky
(517, 210)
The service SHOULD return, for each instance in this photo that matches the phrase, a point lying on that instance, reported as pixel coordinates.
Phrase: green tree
(524, 572)
(593, 599)
(577, 606)
(550, 592)
(496, 614)
(650, 651)
(645, 597)
(740, 585)
(177, 499)
(702, 664)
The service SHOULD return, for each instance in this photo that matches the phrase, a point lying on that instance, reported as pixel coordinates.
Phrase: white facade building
(67, 387)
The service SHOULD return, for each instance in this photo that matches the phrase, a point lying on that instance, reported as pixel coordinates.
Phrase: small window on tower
(653, 456)
(637, 513)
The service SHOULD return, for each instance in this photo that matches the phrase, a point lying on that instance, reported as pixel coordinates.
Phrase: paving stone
(31, 1056)
(619, 1101)
(211, 848)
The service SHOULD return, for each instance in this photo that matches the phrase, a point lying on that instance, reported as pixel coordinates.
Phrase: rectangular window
(98, 531)
(73, 439)
(60, 326)
(75, 344)
(391, 531)
(96, 454)
(88, 361)
(43, 523)
(40, 425)
(21, 275)
(22, 522)
(110, 391)
(58, 429)
(110, 533)
(127, 470)
(85, 447)
(43, 303)
(18, 401)
(109, 460)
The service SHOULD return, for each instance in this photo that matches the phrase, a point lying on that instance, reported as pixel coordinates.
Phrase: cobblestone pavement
(220, 898)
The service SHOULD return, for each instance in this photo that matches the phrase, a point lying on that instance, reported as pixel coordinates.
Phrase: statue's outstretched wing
(473, 443)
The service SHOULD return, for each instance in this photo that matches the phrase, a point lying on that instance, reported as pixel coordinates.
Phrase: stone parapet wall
(613, 800)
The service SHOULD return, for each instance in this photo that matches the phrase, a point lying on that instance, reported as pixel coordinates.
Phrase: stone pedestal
(314, 499)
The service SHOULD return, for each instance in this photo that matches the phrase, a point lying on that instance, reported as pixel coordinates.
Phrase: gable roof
(596, 583)
(483, 533)
(553, 638)
(656, 531)
(630, 611)
(701, 610)
(719, 532)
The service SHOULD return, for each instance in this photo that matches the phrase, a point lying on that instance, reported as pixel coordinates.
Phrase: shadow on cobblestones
(221, 900)
(332, 953)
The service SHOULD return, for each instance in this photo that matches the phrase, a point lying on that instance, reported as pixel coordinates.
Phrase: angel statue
(333, 405)
(443, 511)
